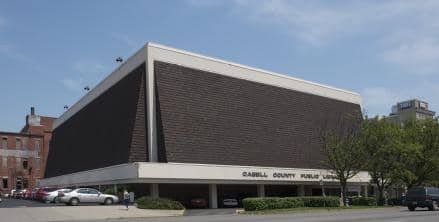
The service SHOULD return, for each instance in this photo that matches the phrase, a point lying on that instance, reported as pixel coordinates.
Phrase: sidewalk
(62, 213)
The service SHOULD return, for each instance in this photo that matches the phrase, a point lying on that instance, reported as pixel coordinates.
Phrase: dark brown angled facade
(181, 125)
(111, 130)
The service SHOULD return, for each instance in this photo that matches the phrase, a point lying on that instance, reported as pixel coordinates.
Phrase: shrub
(292, 202)
(158, 203)
(252, 204)
(321, 201)
(364, 201)
(109, 191)
(256, 203)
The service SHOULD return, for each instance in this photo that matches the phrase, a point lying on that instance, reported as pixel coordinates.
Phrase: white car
(52, 197)
(86, 195)
(230, 202)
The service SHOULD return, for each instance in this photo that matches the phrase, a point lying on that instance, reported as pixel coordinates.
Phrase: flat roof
(200, 61)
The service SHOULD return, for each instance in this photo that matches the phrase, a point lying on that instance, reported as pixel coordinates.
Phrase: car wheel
(412, 208)
(434, 206)
(56, 200)
(74, 201)
(108, 201)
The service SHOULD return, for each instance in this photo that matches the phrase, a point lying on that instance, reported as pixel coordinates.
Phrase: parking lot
(15, 210)
(14, 203)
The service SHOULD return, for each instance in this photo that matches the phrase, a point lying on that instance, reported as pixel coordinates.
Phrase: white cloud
(127, 40)
(403, 33)
(85, 73)
(420, 56)
(73, 84)
(379, 100)
(89, 67)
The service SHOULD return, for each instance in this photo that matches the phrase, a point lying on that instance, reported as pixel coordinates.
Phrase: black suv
(423, 197)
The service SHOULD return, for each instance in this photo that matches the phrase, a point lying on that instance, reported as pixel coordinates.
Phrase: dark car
(199, 203)
(423, 197)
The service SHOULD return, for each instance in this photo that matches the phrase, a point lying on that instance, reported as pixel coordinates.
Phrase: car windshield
(418, 191)
(50, 189)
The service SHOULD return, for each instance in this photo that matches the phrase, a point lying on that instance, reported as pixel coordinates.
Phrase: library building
(176, 124)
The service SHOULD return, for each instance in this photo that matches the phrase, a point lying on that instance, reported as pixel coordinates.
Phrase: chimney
(32, 111)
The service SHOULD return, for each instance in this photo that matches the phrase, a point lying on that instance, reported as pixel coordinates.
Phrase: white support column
(300, 190)
(213, 196)
(366, 194)
(154, 190)
(261, 190)
(115, 189)
(151, 112)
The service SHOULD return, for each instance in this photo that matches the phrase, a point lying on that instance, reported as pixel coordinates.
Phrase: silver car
(52, 197)
(86, 195)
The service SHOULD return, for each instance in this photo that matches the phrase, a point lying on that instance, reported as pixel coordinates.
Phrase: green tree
(381, 142)
(419, 157)
(341, 147)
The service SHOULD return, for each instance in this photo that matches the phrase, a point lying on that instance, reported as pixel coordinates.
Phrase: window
(25, 164)
(93, 191)
(5, 183)
(5, 162)
(24, 143)
(18, 162)
(25, 183)
(84, 191)
(18, 143)
(4, 143)
(37, 148)
(405, 105)
(37, 163)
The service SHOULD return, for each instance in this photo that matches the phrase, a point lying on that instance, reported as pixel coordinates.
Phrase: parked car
(199, 203)
(86, 195)
(18, 194)
(34, 193)
(27, 194)
(423, 197)
(44, 191)
(231, 202)
(53, 197)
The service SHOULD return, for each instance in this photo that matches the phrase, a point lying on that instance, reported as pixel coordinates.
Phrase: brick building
(23, 154)
(181, 125)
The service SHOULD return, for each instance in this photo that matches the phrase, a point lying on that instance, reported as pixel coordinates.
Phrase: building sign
(282, 175)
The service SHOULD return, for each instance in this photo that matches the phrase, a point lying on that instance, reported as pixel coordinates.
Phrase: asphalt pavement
(360, 215)
(394, 214)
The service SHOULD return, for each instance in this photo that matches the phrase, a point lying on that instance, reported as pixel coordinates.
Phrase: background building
(176, 124)
(410, 109)
(23, 154)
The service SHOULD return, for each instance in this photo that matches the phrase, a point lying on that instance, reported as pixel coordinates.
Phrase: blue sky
(385, 50)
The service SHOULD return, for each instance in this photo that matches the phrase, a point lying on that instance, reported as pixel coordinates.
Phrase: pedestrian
(126, 198)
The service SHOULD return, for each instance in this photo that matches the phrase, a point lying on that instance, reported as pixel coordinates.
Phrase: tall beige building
(414, 108)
